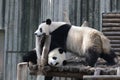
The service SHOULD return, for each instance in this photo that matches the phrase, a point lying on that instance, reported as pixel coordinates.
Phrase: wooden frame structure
(70, 71)
(81, 71)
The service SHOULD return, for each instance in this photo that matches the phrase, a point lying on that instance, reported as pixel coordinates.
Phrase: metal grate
(111, 28)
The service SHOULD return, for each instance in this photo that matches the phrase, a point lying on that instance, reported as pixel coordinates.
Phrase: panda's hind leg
(91, 56)
(93, 49)
(111, 57)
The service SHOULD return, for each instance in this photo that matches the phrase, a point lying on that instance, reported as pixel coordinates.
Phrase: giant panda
(83, 41)
(57, 57)
(30, 57)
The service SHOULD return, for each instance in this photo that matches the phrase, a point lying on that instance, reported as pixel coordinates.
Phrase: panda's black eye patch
(57, 63)
(54, 58)
(60, 51)
(40, 29)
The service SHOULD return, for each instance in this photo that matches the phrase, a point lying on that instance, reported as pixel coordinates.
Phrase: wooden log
(22, 71)
(97, 71)
(114, 37)
(79, 71)
(109, 20)
(101, 77)
(112, 33)
(118, 71)
(111, 28)
(115, 41)
(111, 25)
(111, 15)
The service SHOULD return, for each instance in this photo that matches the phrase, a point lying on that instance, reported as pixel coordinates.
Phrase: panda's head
(57, 57)
(47, 27)
(30, 57)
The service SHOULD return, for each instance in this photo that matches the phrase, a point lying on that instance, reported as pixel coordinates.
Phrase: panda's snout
(54, 64)
(35, 33)
(39, 34)
(51, 64)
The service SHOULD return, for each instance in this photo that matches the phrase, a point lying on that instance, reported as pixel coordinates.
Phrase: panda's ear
(48, 21)
(64, 62)
(61, 50)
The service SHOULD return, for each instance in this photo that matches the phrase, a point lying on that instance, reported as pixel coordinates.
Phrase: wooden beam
(101, 77)
(22, 71)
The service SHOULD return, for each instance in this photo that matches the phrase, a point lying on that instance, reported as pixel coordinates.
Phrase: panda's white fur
(84, 41)
(56, 58)
(78, 43)
(47, 29)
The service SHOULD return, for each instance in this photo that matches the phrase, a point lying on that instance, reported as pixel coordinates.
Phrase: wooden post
(22, 71)
(97, 71)
(118, 71)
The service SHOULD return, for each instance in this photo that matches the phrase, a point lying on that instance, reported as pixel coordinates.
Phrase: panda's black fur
(58, 39)
(30, 56)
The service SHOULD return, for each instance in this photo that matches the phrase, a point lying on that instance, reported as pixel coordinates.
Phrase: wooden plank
(102, 77)
(22, 71)
(111, 29)
(111, 15)
(111, 25)
(109, 20)
(112, 33)
(66, 74)
(115, 41)
(114, 37)
(97, 72)
(118, 71)
(117, 49)
(116, 45)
